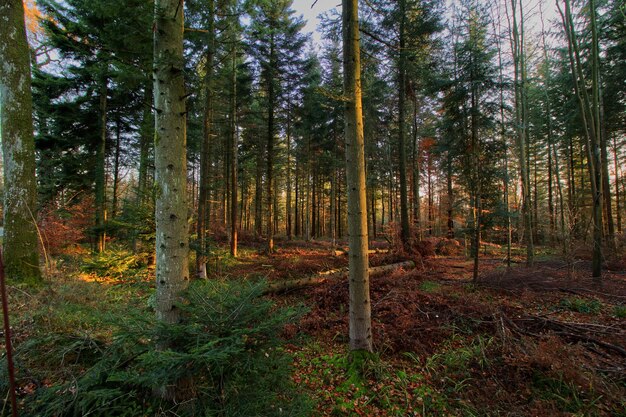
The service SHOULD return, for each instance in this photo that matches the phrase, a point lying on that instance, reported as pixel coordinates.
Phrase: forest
(313, 208)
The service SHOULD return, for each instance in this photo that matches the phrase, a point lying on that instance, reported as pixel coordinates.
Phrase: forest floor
(541, 341)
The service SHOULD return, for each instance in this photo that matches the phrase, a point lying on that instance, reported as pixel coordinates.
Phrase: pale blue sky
(310, 14)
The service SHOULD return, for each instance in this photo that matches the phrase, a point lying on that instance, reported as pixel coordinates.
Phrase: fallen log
(334, 274)
(344, 252)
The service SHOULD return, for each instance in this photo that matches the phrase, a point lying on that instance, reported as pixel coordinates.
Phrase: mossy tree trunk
(16, 130)
(360, 307)
(172, 269)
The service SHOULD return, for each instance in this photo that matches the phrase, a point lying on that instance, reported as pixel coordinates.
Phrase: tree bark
(360, 306)
(21, 254)
(172, 274)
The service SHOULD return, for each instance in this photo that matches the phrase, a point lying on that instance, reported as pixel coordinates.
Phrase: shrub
(224, 358)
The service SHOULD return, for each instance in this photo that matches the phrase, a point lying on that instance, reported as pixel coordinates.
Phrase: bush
(225, 358)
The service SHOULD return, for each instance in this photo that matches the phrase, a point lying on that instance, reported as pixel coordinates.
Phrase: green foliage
(115, 264)
(567, 395)
(619, 311)
(460, 358)
(429, 286)
(581, 305)
(223, 358)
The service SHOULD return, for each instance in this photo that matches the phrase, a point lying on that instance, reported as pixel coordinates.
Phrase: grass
(581, 305)
(430, 286)
(619, 311)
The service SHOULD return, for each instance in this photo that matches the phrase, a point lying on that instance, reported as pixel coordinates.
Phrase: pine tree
(277, 44)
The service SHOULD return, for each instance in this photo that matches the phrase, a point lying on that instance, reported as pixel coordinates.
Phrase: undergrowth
(225, 358)
(581, 305)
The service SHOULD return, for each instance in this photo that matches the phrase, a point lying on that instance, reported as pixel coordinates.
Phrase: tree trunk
(145, 140)
(417, 212)
(258, 195)
(172, 274)
(21, 254)
(100, 171)
(205, 150)
(404, 204)
(288, 203)
(116, 167)
(360, 306)
(617, 193)
(271, 102)
(590, 117)
(233, 157)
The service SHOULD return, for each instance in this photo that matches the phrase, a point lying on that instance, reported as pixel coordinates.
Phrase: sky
(303, 7)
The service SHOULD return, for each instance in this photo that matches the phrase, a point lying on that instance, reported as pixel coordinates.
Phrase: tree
(360, 307)
(518, 49)
(101, 81)
(590, 117)
(277, 45)
(18, 147)
(172, 274)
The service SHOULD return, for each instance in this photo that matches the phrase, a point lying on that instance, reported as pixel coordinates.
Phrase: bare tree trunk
(417, 221)
(258, 197)
(360, 306)
(404, 204)
(289, 204)
(206, 150)
(270, 147)
(617, 193)
(116, 167)
(590, 118)
(518, 50)
(172, 274)
(145, 140)
(100, 171)
(233, 157)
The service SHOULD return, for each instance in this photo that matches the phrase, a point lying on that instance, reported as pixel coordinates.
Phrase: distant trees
(20, 242)
(277, 49)
(448, 117)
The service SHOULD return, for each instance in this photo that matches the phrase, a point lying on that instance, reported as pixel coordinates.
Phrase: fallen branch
(334, 274)
(344, 252)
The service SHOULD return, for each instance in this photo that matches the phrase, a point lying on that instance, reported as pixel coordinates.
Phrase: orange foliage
(32, 16)
(62, 229)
